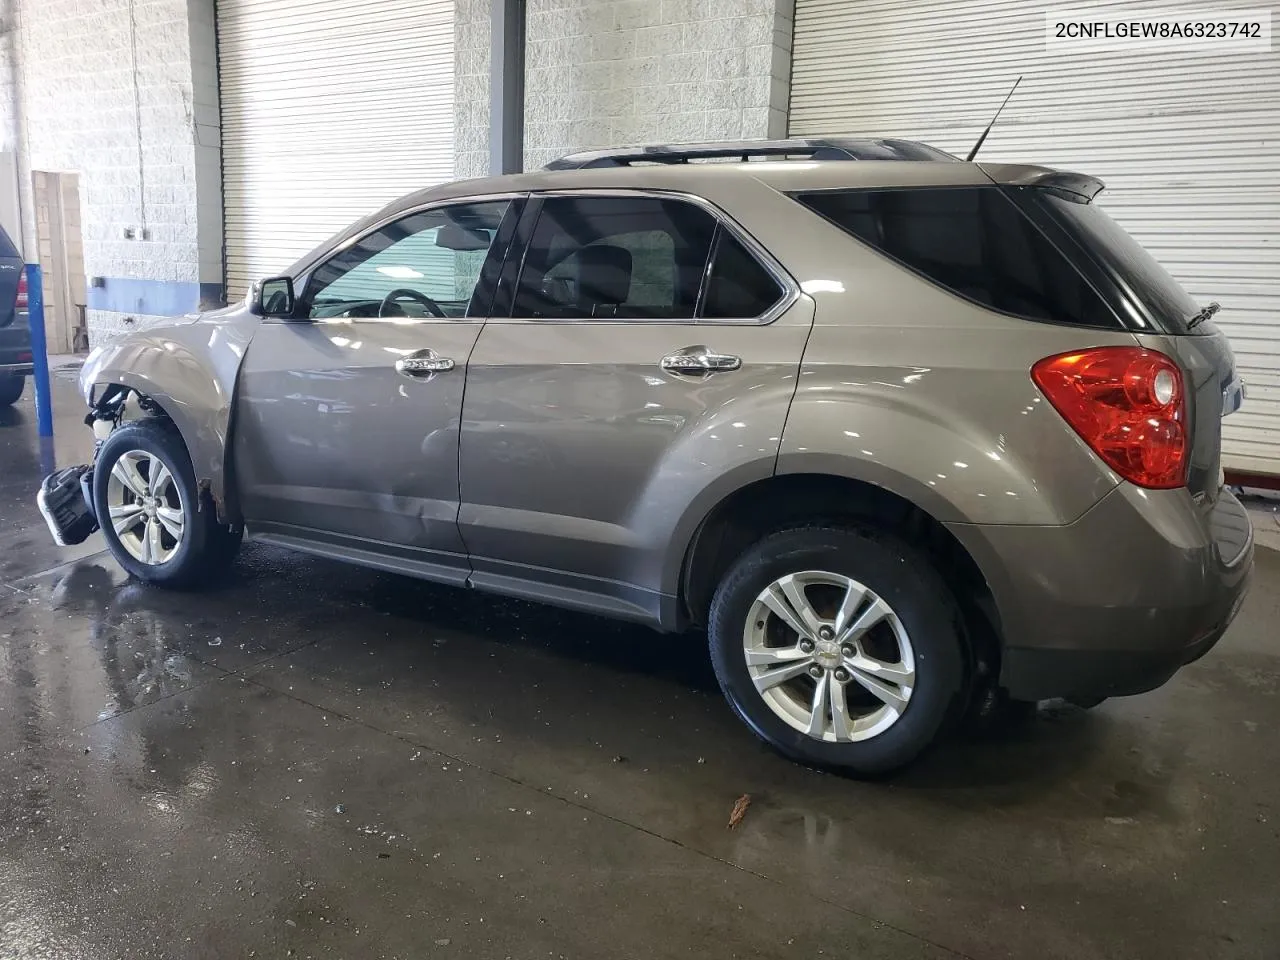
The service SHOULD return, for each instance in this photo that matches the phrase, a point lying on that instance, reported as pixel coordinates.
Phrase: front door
(651, 350)
(346, 430)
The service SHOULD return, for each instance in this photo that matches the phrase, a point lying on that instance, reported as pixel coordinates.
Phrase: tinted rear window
(1148, 283)
(638, 258)
(974, 242)
(615, 258)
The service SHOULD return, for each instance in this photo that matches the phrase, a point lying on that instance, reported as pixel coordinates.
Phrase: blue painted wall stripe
(157, 298)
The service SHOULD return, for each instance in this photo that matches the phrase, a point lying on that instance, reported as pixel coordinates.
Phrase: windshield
(1149, 284)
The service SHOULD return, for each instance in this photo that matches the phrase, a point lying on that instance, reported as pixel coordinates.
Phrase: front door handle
(699, 361)
(424, 363)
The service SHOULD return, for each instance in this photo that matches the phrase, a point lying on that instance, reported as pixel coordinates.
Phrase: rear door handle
(423, 363)
(699, 361)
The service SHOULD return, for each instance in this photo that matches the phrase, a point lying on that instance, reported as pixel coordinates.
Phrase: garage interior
(316, 760)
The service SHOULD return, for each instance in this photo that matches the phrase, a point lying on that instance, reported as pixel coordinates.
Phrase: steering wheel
(404, 293)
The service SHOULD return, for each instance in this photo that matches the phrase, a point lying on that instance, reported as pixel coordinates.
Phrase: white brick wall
(105, 324)
(206, 120)
(141, 133)
(471, 33)
(606, 72)
(144, 135)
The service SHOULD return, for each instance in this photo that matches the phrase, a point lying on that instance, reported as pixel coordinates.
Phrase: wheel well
(109, 405)
(776, 503)
(110, 398)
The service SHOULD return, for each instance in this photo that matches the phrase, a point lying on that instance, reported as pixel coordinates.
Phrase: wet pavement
(315, 760)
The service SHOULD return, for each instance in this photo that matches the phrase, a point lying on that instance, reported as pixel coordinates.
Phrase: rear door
(651, 348)
(346, 432)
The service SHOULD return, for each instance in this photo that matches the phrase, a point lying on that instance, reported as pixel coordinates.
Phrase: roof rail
(839, 148)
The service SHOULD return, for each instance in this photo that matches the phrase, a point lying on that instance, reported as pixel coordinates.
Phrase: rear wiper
(1204, 315)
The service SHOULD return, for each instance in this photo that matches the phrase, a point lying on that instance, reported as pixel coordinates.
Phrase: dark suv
(15, 335)
(899, 431)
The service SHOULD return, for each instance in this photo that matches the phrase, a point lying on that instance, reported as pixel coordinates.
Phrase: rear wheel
(840, 648)
(152, 515)
(11, 389)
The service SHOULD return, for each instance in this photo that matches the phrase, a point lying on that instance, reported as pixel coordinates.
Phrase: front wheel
(11, 389)
(151, 513)
(840, 648)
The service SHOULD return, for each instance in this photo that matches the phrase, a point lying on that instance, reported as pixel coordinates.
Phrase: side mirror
(273, 298)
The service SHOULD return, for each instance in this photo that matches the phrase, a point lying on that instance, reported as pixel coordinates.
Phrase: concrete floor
(320, 761)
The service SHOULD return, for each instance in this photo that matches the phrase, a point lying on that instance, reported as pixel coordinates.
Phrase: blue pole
(39, 351)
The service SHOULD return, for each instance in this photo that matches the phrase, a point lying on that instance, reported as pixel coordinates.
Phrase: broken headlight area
(106, 410)
(66, 496)
(115, 406)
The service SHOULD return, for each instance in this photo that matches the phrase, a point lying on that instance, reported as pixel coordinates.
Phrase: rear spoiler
(1021, 175)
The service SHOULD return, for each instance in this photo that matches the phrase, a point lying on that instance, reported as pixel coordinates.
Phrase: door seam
(457, 453)
(786, 418)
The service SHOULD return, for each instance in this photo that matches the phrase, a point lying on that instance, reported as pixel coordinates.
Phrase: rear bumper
(1115, 603)
(15, 347)
(1034, 674)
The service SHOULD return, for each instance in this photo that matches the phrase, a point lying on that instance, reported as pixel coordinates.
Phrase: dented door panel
(333, 439)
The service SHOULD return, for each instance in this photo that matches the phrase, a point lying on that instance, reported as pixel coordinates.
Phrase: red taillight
(1129, 406)
(21, 302)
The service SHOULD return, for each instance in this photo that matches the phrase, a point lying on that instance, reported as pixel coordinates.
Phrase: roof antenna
(983, 139)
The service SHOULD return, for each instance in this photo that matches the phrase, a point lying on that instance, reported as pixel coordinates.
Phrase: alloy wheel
(146, 508)
(829, 656)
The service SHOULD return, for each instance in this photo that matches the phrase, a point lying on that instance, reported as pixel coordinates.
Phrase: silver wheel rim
(146, 508)
(829, 656)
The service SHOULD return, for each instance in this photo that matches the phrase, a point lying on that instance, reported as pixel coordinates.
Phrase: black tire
(207, 547)
(11, 389)
(993, 714)
(903, 578)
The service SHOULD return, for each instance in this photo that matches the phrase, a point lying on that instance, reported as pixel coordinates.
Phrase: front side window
(638, 258)
(974, 242)
(425, 265)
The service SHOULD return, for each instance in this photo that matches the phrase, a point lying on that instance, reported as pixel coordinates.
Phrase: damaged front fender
(188, 369)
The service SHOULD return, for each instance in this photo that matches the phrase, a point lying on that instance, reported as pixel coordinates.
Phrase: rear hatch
(12, 283)
(1156, 308)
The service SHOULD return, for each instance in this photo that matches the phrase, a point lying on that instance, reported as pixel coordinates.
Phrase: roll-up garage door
(1187, 142)
(330, 108)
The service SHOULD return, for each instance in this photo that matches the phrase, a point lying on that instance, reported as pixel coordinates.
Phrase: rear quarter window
(972, 241)
(1141, 277)
(738, 286)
